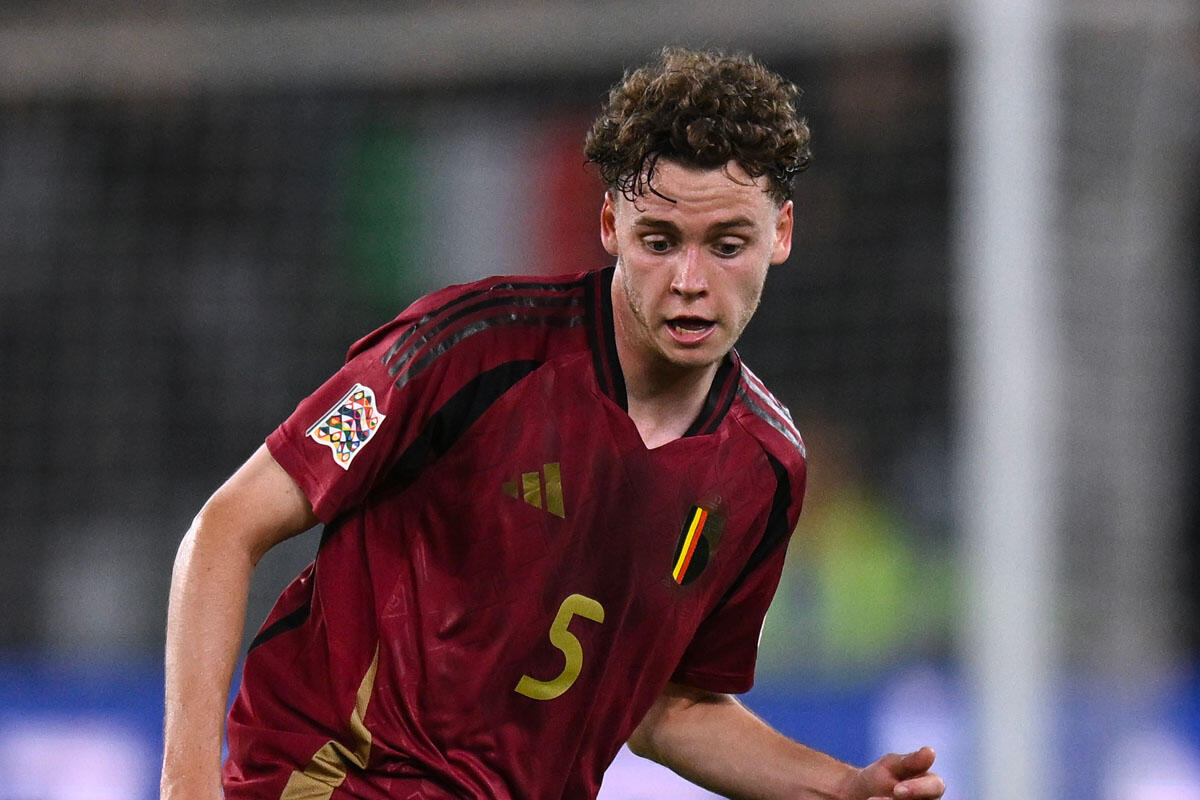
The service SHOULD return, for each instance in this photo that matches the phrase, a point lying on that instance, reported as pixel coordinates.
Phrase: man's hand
(898, 777)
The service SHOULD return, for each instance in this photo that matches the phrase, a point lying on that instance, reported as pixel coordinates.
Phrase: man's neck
(663, 400)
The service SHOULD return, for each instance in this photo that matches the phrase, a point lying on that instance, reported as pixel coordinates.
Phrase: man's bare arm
(714, 741)
(258, 507)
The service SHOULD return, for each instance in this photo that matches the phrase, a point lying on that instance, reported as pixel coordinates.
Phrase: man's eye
(728, 248)
(658, 245)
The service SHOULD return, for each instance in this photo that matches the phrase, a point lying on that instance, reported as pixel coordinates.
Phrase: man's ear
(783, 234)
(608, 223)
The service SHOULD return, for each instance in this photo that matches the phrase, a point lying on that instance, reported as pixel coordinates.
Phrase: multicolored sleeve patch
(349, 425)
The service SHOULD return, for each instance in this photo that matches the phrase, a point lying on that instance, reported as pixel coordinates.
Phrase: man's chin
(690, 359)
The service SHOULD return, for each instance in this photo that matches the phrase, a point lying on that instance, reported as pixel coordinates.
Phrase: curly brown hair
(699, 108)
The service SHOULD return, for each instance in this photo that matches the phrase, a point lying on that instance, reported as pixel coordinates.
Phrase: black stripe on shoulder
(431, 332)
(776, 531)
(466, 298)
(449, 422)
(286, 623)
(406, 370)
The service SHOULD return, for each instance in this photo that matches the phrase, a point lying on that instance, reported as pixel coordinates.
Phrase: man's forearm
(258, 507)
(714, 741)
(204, 629)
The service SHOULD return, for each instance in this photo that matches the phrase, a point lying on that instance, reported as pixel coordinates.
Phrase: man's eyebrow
(654, 223)
(736, 222)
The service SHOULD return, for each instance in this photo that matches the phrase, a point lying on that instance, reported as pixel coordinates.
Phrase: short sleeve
(723, 652)
(343, 437)
(375, 412)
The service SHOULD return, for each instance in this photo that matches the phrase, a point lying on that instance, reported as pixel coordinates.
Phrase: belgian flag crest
(695, 544)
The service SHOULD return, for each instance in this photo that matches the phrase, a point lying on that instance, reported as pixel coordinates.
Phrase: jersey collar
(603, 343)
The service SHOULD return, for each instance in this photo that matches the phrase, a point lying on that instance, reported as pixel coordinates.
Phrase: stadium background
(200, 209)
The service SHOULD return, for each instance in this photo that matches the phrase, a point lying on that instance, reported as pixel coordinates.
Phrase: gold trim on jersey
(327, 769)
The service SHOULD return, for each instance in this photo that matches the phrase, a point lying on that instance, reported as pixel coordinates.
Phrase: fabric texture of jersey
(508, 577)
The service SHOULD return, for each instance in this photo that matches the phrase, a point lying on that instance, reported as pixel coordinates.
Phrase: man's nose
(689, 277)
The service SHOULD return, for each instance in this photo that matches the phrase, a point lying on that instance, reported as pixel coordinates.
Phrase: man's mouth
(690, 328)
(690, 324)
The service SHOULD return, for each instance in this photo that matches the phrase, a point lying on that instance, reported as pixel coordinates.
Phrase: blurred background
(987, 333)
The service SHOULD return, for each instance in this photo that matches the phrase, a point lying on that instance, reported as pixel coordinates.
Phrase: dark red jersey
(508, 577)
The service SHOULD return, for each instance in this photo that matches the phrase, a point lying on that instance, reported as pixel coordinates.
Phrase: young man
(555, 510)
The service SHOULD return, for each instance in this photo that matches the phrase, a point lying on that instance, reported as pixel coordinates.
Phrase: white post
(1009, 376)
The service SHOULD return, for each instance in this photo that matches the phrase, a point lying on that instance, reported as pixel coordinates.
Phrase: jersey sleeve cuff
(714, 682)
(285, 455)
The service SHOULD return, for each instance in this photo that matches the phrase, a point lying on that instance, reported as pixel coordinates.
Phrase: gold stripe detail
(362, 736)
(531, 484)
(327, 769)
(554, 491)
(686, 552)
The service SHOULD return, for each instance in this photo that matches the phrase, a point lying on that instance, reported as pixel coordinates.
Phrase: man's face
(690, 273)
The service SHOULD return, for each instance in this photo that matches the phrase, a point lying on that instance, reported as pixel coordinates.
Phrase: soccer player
(555, 510)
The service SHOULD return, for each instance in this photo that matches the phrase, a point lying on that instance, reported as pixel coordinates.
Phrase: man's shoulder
(768, 420)
(508, 307)
(500, 290)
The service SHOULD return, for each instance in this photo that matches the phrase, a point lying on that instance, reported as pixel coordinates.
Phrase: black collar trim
(602, 338)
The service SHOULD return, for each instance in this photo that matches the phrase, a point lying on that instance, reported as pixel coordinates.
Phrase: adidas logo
(540, 490)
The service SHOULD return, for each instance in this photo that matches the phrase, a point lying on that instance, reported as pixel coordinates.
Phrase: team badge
(701, 530)
(349, 425)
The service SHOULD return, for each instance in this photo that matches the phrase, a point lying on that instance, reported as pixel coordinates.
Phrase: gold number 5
(565, 641)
